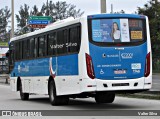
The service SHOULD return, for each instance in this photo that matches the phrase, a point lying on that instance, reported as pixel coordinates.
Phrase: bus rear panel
(120, 49)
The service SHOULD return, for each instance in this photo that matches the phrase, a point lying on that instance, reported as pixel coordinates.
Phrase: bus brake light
(147, 65)
(90, 68)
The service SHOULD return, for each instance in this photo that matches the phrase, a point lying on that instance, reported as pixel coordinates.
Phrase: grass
(156, 71)
(141, 95)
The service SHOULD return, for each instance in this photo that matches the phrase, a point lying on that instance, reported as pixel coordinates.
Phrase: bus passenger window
(26, 49)
(17, 50)
(61, 48)
(21, 50)
(35, 48)
(51, 42)
(32, 47)
(41, 46)
(74, 39)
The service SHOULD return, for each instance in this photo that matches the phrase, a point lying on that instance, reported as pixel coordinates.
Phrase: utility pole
(111, 8)
(103, 6)
(47, 9)
(12, 31)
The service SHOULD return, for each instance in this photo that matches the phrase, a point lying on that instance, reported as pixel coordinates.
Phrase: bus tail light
(147, 65)
(90, 68)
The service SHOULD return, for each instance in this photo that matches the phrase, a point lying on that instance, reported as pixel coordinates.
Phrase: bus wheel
(54, 99)
(104, 97)
(24, 96)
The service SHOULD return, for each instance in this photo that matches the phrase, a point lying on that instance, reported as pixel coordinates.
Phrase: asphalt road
(156, 82)
(10, 101)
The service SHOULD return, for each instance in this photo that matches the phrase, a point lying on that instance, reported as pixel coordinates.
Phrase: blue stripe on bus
(67, 65)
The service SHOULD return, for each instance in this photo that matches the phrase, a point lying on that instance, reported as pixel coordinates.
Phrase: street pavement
(156, 82)
(11, 101)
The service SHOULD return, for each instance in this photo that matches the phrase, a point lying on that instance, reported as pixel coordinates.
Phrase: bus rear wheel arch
(54, 99)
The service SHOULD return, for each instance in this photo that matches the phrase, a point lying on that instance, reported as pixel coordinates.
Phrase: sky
(88, 6)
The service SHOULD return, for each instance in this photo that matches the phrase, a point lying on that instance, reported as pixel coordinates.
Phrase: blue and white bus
(93, 56)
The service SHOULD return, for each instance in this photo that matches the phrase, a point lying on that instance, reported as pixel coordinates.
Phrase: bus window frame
(113, 44)
(45, 36)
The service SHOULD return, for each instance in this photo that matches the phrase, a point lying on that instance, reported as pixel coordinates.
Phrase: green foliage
(58, 11)
(22, 18)
(4, 20)
(152, 10)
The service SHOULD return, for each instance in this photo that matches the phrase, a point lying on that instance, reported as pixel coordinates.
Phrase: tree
(152, 10)
(35, 11)
(60, 10)
(4, 20)
(22, 19)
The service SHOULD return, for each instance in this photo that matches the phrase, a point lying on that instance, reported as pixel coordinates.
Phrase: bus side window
(35, 50)
(32, 47)
(41, 46)
(61, 48)
(28, 48)
(51, 42)
(26, 52)
(65, 37)
(74, 39)
(21, 50)
(16, 50)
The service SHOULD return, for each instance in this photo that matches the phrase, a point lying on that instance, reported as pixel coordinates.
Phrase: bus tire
(54, 99)
(24, 96)
(104, 97)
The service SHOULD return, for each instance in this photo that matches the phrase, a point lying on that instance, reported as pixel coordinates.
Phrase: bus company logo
(136, 66)
(127, 55)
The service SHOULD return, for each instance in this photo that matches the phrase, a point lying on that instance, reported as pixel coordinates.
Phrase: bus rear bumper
(122, 85)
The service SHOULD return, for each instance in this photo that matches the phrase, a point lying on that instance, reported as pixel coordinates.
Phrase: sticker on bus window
(136, 34)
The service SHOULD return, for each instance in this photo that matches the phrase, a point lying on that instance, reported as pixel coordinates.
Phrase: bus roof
(115, 16)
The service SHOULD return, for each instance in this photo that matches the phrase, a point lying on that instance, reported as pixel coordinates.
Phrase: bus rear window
(117, 30)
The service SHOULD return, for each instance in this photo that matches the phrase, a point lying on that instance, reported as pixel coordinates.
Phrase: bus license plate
(119, 71)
